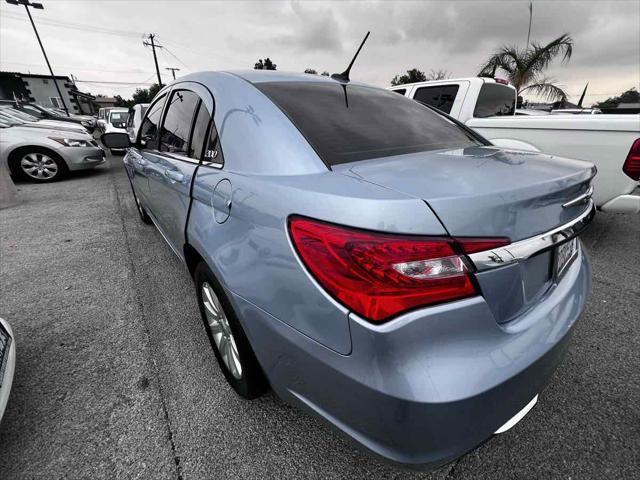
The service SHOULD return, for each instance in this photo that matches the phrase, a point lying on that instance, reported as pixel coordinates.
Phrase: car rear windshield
(119, 117)
(347, 123)
(494, 100)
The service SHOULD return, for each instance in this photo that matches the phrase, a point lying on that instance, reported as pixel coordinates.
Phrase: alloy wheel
(39, 166)
(221, 331)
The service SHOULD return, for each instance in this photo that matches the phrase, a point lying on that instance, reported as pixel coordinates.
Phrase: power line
(76, 67)
(170, 53)
(76, 26)
(113, 83)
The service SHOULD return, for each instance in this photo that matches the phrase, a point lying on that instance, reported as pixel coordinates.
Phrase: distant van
(136, 114)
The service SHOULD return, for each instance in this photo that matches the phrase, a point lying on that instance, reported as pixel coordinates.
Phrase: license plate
(565, 253)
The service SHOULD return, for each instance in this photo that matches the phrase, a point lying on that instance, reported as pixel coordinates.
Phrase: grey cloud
(456, 36)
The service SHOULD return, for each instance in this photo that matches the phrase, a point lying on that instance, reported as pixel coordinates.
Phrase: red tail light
(379, 275)
(632, 164)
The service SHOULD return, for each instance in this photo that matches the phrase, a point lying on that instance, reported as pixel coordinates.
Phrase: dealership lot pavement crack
(116, 379)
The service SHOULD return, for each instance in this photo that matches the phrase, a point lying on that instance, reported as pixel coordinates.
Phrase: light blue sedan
(368, 258)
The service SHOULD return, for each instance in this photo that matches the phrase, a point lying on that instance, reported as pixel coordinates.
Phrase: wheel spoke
(220, 331)
(215, 327)
(210, 309)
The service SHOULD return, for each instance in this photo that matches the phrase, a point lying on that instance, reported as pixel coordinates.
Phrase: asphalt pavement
(116, 379)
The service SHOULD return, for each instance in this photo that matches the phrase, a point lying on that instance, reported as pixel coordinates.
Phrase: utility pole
(173, 71)
(153, 46)
(39, 6)
(530, 17)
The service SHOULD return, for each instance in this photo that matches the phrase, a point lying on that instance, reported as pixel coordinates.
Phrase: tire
(38, 165)
(144, 216)
(227, 337)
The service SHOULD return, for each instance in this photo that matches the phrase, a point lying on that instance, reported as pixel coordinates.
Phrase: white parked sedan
(44, 155)
(7, 363)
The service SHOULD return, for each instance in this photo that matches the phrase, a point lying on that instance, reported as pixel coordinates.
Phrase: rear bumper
(7, 370)
(431, 385)
(623, 204)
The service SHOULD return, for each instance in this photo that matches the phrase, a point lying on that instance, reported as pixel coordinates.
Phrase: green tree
(311, 71)
(121, 102)
(525, 67)
(630, 96)
(267, 64)
(325, 74)
(145, 95)
(412, 76)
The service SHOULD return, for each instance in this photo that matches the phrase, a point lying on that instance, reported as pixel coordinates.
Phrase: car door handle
(174, 176)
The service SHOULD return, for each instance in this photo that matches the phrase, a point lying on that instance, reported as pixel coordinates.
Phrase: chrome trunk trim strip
(523, 249)
(580, 199)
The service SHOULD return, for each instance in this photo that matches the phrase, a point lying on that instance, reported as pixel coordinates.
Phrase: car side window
(176, 128)
(32, 111)
(213, 152)
(200, 130)
(130, 118)
(440, 97)
(149, 127)
(401, 91)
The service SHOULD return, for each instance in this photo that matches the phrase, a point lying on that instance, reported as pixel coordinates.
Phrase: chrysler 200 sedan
(368, 258)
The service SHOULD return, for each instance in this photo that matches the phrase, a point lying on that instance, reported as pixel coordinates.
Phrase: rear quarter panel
(251, 254)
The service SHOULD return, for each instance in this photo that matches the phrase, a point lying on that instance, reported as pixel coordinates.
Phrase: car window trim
(162, 97)
(167, 91)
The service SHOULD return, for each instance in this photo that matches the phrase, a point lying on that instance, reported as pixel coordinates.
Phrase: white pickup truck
(487, 105)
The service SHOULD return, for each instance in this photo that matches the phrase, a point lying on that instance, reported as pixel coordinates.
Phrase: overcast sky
(101, 41)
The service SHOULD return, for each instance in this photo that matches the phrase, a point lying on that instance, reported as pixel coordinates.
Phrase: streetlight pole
(39, 6)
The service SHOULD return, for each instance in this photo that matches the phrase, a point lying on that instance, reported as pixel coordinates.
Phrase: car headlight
(72, 142)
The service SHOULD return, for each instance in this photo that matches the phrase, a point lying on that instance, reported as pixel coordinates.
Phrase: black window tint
(149, 127)
(212, 151)
(174, 136)
(200, 129)
(401, 91)
(352, 122)
(32, 111)
(130, 118)
(495, 99)
(441, 97)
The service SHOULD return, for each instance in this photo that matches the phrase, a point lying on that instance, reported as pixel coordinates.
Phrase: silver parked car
(369, 258)
(45, 155)
(7, 363)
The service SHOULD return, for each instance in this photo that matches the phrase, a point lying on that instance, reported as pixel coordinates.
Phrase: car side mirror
(115, 140)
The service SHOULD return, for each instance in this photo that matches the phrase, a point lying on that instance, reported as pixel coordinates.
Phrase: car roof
(263, 76)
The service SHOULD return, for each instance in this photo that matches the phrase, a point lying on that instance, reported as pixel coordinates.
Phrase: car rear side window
(495, 99)
(174, 135)
(149, 127)
(200, 129)
(440, 97)
(347, 123)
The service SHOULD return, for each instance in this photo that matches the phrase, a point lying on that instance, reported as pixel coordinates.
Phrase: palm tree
(525, 67)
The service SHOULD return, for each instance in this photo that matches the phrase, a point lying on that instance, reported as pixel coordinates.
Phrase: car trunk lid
(485, 191)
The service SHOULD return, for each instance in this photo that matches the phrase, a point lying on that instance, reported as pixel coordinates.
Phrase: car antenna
(582, 96)
(344, 76)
